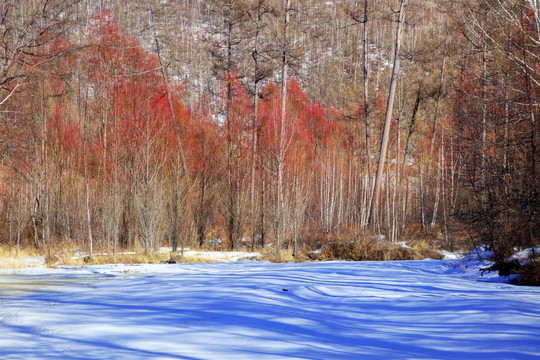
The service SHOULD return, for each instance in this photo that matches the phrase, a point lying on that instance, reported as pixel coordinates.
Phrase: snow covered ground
(255, 310)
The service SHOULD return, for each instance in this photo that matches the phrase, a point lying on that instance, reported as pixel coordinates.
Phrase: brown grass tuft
(10, 260)
(357, 246)
(424, 250)
(11, 252)
(285, 255)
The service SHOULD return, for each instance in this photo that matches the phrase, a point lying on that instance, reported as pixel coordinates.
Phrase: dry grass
(346, 245)
(424, 250)
(9, 259)
(11, 252)
(74, 257)
(126, 258)
(356, 246)
(69, 253)
(136, 255)
(285, 255)
(62, 253)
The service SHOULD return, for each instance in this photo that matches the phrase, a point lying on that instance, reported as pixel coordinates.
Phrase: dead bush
(527, 274)
(530, 274)
(285, 255)
(366, 247)
(425, 250)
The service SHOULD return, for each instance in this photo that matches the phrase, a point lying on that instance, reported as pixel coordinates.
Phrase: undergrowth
(530, 274)
(9, 259)
(527, 274)
(345, 245)
(7, 251)
(284, 255)
(363, 247)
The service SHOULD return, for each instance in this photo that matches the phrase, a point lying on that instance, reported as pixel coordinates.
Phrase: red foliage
(128, 90)
(64, 136)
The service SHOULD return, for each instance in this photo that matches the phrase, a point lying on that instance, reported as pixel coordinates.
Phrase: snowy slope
(253, 310)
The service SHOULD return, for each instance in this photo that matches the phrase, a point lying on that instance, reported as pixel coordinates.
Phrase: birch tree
(388, 117)
(282, 128)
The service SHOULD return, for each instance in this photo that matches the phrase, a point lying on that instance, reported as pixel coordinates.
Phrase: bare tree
(282, 128)
(25, 30)
(388, 118)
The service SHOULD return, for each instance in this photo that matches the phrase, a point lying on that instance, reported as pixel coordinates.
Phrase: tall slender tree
(388, 117)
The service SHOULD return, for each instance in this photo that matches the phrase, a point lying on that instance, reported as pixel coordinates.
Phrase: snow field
(254, 310)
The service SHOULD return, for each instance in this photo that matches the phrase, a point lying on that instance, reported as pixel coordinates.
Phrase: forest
(291, 124)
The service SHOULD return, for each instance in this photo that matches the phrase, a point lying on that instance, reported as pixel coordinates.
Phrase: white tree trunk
(282, 141)
(388, 118)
